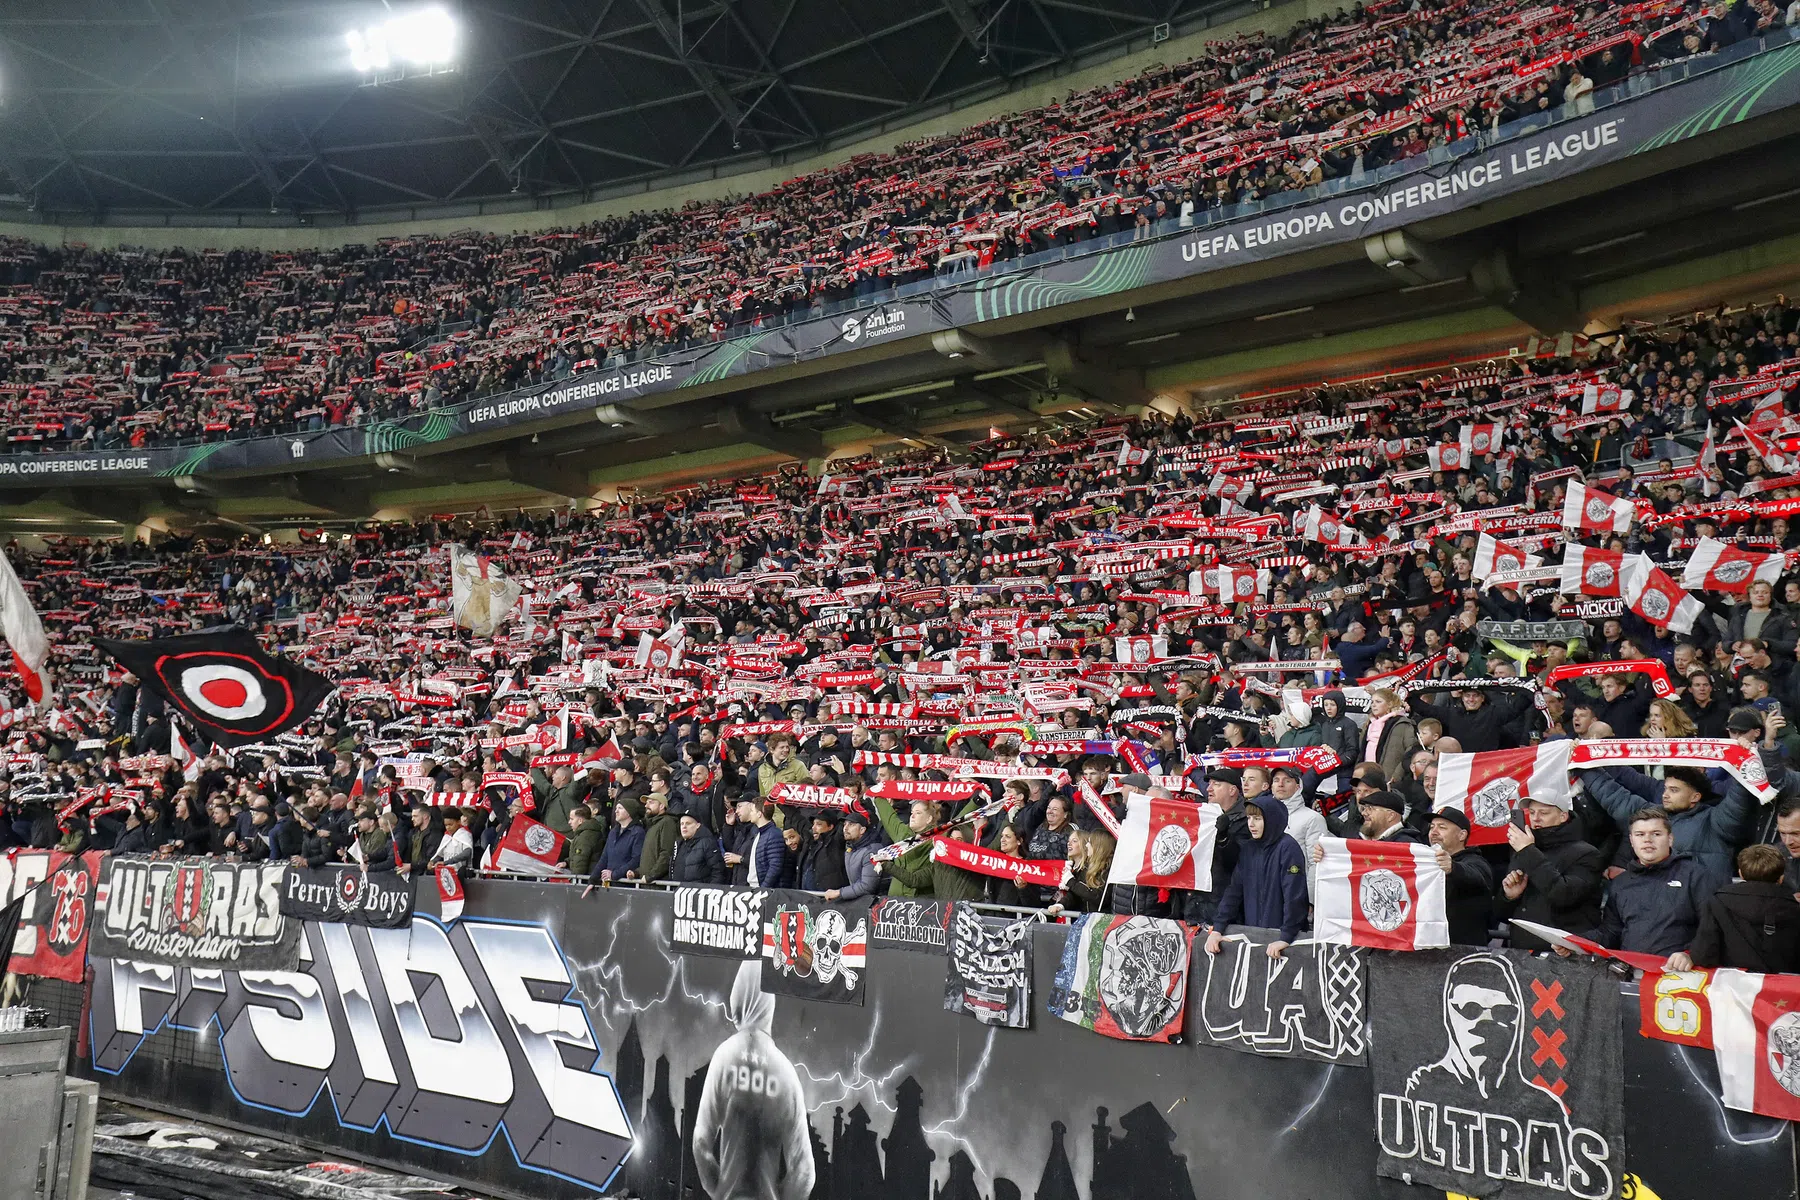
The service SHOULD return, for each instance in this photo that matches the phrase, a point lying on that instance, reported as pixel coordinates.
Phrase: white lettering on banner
(1466, 178)
(883, 323)
(574, 393)
(448, 1036)
(74, 466)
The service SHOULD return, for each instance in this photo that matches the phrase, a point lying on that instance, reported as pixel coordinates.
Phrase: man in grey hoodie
(751, 1137)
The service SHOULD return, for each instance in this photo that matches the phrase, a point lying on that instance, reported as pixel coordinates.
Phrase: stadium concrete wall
(194, 231)
(538, 1018)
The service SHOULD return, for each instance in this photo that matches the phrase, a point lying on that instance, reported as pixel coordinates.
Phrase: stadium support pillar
(1528, 290)
(758, 430)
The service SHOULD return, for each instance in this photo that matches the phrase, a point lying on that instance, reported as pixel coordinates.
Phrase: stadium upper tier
(112, 350)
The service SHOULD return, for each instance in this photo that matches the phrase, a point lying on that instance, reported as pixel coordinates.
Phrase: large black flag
(221, 680)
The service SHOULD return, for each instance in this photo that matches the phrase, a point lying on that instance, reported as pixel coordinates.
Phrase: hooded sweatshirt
(1268, 889)
(751, 1138)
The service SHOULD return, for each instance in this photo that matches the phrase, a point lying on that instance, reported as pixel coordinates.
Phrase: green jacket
(584, 847)
(660, 833)
(767, 775)
(555, 803)
(939, 880)
(913, 862)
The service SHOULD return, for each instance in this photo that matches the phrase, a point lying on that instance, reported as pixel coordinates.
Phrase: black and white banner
(194, 913)
(1498, 1074)
(815, 949)
(348, 895)
(725, 922)
(1309, 1003)
(989, 971)
(905, 923)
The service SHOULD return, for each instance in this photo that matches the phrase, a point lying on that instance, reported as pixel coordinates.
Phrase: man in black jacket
(697, 858)
(1468, 880)
(822, 862)
(1478, 722)
(1753, 925)
(1653, 906)
(1556, 878)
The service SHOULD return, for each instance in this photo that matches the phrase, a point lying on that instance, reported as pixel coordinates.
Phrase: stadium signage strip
(1749, 88)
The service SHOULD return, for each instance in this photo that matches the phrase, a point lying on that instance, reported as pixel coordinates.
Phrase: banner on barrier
(59, 903)
(194, 913)
(349, 895)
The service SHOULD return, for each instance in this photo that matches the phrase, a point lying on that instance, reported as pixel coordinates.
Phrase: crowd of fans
(1082, 587)
(130, 348)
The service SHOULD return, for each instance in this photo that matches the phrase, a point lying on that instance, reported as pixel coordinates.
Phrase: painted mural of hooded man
(751, 1139)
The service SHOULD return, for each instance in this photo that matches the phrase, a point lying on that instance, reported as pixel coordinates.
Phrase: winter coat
(1306, 827)
(774, 862)
(940, 880)
(555, 803)
(859, 868)
(1394, 749)
(1564, 877)
(768, 774)
(1268, 889)
(822, 864)
(1483, 729)
(1655, 909)
(1712, 833)
(1340, 733)
(1469, 898)
(1750, 926)
(898, 830)
(697, 860)
(740, 839)
(623, 852)
(584, 846)
(660, 835)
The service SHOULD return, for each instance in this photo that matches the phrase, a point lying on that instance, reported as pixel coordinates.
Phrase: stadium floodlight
(424, 37)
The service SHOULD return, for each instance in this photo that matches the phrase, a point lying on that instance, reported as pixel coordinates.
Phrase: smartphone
(1518, 816)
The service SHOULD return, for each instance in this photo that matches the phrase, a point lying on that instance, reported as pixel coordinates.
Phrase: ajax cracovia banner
(59, 904)
(1498, 1074)
(194, 913)
(348, 894)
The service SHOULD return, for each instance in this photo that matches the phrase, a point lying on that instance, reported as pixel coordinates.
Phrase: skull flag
(221, 680)
(814, 949)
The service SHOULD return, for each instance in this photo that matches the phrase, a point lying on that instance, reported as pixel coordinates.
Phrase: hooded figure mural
(751, 1139)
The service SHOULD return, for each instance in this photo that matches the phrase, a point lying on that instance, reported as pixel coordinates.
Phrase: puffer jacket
(1656, 909)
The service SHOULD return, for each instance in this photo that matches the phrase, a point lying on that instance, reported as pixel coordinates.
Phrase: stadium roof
(199, 109)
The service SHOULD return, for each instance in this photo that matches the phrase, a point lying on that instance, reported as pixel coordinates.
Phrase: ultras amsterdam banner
(815, 949)
(349, 895)
(59, 904)
(724, 922)
(988, 975)
(195, 913)
(1498, 1074)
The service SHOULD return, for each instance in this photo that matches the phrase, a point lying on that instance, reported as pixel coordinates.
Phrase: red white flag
(528, 848)
(1481, 439)
(1653, 595)
(1321, 526)
(1717, 567)
(1605, 398)
(1141, 651)
(1772, 457)
(20, 626)
(1241, 584)
(1756, 1035)
(450, 893)
(1588, 571)
(1446, 456)
(1385, 895)
(661, 652)
(1166, 844)
(188, 761)
(1487, 786)
(1492, 554)
(1592, 510)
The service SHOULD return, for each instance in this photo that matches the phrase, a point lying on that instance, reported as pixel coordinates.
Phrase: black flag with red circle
(221, 680)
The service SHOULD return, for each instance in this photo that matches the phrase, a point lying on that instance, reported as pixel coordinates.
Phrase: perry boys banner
(813, 948)
(1498, 1074)
(59, 904)
(1729, 95)
(348, 895)
(194, 913)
